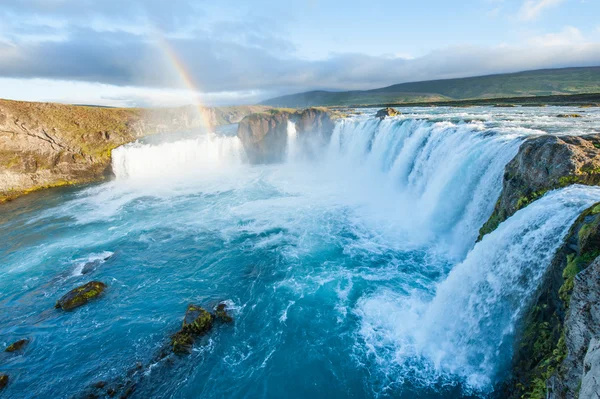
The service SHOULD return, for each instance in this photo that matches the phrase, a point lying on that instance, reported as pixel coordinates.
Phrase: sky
(173, 52)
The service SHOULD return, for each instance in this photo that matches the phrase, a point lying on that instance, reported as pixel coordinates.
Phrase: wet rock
(17, 346)
(197, 322)
(91, 266)
(544, 163)
(81, 295)
(3, 381)
(386, 112)
(221, 313)
(568, 116)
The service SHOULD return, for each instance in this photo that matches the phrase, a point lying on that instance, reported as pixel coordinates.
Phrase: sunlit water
(353, 273)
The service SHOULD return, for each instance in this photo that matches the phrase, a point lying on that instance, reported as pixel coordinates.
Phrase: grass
(540, 83)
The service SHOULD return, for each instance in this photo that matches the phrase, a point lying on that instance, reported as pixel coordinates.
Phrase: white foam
(466, 330)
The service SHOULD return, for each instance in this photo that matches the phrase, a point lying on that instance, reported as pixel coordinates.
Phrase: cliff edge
(47, 145)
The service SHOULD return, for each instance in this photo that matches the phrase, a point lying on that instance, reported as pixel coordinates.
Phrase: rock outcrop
(559, 328)
(544, 163)
(17, 346)
(81, 295)
(3, 381)
(265, 135)
(48, 145)
(581, 367)
(386, 112)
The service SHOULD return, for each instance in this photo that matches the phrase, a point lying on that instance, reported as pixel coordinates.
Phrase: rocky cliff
(265, 135)
(559, 334)
(544, 163)
(47, 145)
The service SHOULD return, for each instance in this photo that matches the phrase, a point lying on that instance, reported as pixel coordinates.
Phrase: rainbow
(185, 77)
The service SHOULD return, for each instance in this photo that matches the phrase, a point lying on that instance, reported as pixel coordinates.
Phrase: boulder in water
(3, 381)
(17, 346)
(197, 322)
(385, 112)
(568, 116)
(80, 295)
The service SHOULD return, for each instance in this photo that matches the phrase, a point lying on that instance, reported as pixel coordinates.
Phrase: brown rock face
(385, 112)
(265, 135)
(544, 163)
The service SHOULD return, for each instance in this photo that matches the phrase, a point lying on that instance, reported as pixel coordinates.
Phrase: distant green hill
(542, 82)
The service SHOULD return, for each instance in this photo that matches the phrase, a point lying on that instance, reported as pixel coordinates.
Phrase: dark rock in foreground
(386, 112)
(197, 322)
(17, 346)
(80, 295)
(3, 381)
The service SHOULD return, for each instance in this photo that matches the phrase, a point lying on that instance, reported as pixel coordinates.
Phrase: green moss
(182, 342)
(523, 201)
(575, 264)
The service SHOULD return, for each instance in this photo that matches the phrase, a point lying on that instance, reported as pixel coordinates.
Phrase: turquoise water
(352, 275)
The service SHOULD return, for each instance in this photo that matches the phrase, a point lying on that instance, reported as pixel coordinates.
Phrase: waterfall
(448, 175)
(176, 159)
(291, 142)
(467, 329)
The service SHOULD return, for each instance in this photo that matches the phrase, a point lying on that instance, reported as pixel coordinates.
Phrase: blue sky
(108, 51)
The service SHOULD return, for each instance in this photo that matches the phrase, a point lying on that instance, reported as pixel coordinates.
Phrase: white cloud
(532, 8)
(569, 35)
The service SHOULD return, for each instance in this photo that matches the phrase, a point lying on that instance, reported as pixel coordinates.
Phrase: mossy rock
(221, 313)
(182, 342)
(17, 346)
(197, 320)
(80, 295)
(3, 381)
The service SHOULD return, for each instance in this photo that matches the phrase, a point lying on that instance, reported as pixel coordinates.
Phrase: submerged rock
(568, 116)
(81, 295)
(221, 313)
(92, 265)
(385, 112)
(3, 381)
(17, 346)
